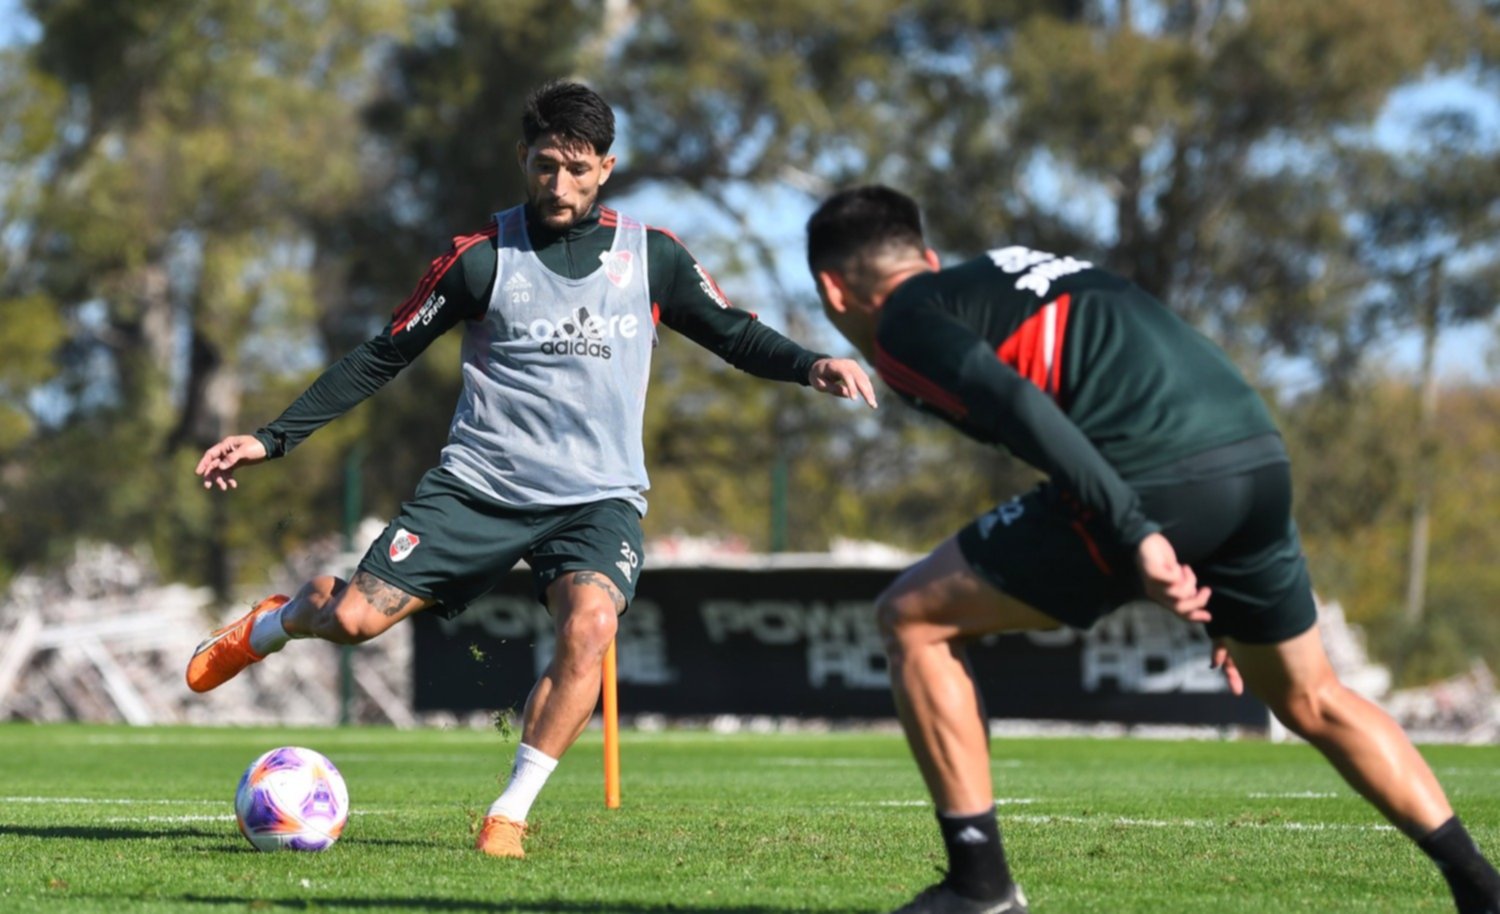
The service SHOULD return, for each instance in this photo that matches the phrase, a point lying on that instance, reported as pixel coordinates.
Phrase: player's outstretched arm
(689, 301)
(218, 463)
(455, 288)
(842, 378)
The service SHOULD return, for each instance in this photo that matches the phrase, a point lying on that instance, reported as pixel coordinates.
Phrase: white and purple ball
(291, 798)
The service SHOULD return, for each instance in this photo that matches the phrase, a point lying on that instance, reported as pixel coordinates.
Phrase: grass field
(125, 820)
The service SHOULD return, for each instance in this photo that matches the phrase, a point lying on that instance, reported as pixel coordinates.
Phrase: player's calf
(354, 613)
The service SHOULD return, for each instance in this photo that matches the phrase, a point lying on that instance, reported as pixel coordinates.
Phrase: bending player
(1167, 479)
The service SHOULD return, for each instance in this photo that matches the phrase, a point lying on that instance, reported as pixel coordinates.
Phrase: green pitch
(115, 819)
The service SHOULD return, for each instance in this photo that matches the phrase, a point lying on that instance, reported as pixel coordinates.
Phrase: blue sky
(14, 25)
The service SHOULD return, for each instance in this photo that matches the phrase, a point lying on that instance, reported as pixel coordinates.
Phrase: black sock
(1474, 882)
(976, 858)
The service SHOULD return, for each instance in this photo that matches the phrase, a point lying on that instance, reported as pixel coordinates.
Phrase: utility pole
(353, 507)
(1424, 464)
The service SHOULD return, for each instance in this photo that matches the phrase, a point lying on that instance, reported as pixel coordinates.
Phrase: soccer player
(559, 299)
(1166, 479)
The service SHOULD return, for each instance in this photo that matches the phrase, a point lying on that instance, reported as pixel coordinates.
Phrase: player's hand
(218, 463)
(1169, 582)
(1221, 660)
(842, 378)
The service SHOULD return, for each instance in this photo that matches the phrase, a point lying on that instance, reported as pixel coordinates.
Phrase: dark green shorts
(1234, 528)
(451, 544)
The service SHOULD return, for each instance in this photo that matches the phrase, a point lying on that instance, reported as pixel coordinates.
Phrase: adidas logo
(517, 289)
(970, 835)
(578, 334)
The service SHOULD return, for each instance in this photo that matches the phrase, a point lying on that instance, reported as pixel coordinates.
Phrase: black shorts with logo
(1227, 513)
(452, 544)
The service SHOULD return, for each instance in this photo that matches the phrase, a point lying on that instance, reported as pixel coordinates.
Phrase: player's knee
(893, 617)
(587, 633)
(1310, 712)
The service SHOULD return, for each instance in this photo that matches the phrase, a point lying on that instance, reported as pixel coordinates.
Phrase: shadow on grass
(230, 840)
(105, 832)
(574, 906)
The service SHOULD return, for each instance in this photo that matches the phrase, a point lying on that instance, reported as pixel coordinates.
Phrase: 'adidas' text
(581, 333)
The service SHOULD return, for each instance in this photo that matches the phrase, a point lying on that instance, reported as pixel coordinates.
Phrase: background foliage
(206, 201)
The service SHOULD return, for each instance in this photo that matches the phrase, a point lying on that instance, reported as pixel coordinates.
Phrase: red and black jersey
(1074, 370)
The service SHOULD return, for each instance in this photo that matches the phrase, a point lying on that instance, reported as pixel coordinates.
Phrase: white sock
(267, 636)
(527, 777)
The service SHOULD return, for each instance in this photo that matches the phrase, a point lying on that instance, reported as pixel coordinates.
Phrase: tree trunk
(1423, 465)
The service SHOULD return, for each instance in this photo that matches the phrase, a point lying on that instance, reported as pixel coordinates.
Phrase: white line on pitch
(1294, 795)
(121, 801)
(1196, 823)
(195, 818)
(121, 819)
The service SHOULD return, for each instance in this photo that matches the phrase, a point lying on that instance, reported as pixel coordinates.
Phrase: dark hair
(570, 111)
(862, 220)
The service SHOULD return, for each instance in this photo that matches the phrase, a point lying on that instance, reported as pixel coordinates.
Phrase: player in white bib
(559, 300)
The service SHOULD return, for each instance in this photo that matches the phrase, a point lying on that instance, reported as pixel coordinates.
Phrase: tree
(1182, 143)
(168, 158)
(1427, 228)
(1188, 145)
(208, 201)
(1204, 149)
(1354, 496)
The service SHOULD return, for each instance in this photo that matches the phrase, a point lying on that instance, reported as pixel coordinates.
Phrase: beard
(558, 216)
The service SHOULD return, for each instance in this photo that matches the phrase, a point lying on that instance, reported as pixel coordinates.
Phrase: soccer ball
(291, 798)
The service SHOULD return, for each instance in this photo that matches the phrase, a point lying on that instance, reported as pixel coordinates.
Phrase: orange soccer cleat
(227, 651)
(501, 837)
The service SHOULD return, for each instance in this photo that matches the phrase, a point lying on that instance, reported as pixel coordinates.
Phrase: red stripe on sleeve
(436, 271)
(908, 381)
(710, 285)
(1032, 354)
(670, 234)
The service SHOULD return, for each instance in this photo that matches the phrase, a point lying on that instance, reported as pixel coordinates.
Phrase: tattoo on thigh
(595, 579)
(385, 598)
